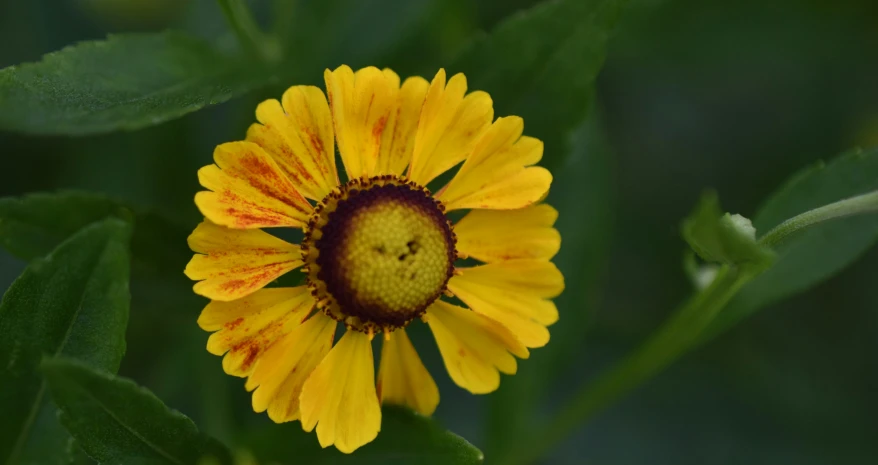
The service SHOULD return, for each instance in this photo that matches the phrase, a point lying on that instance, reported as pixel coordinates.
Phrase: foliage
(406, 437)
(32, 226)
(532, 57)
(116, 421)
(72, 303)
(123, 82)
(64, 322)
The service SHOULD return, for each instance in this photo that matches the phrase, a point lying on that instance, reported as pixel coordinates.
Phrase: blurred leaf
(405, 438)
(723, 238)
(77, 455)
(124, 82)
(116, 421)
(583, 193)
(437, 37)
(73, 303)
(328, 33)
(541, 64)
(818, 253)
(33, 225)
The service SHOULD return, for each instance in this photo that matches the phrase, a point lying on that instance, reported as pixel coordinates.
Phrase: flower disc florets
(378, 252)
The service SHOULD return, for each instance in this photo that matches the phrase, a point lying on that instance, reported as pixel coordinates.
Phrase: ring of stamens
(378, 251)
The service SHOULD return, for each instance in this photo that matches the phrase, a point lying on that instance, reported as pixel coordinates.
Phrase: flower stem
(243, 24)
(678, 335)
(853, 206)
(673, 339)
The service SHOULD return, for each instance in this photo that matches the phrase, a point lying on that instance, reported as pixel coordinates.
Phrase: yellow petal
(246, 328)
(402, 378)
(514, 293)
(298, 136)
(232, 263)
(398, 140)
(339, 397)
(524, 188)
(498, 174)
(474, 348)
(281, 372)
(499, 235)
(534, 277)
(361, 105)
(530, 332)
(450, 124)
(249, 190)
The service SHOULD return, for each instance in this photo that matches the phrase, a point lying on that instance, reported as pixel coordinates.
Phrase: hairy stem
(860, 204)
(676, 337)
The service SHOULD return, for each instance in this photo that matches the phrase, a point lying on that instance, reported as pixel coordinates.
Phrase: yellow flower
(378, 250)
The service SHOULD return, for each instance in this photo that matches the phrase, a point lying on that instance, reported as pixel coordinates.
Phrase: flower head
(379, 250)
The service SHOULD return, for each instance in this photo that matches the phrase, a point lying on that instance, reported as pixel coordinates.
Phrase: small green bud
(724, 238)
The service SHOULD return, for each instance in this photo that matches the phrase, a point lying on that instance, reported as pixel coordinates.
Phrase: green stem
(243, 24)
(853, 206)
(677, 336)
(669, 342)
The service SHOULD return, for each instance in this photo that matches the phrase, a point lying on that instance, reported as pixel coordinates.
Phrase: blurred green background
(735, 96)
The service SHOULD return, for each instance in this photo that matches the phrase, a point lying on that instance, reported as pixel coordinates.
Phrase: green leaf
(541, 64)
(72, 303)
(116, 421)
(33, 225)
(405, 438)
(77, 455)
(724, 238)
(127, 81)
(814, 255)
